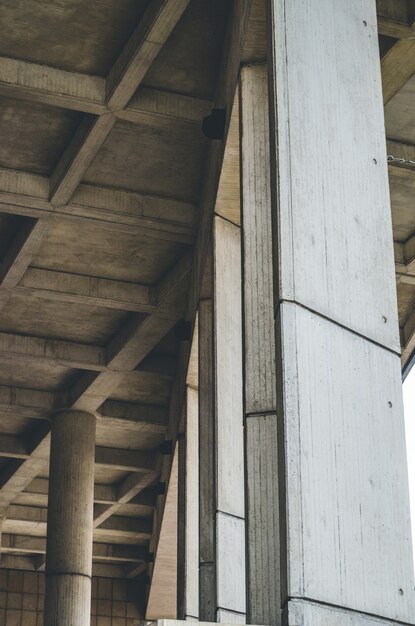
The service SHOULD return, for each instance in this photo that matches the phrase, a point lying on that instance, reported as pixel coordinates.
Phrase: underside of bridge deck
(107, 192)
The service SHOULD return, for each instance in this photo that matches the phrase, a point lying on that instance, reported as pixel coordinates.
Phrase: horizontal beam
(127, 460)
(15, 447)
(30, 564)
(151, 33)
(78, 289)
(36, 494)
(31, 403)
(79, 92)
(26, 545)
(52, 351)
(31, 351)
(24, 520)
(123, 211)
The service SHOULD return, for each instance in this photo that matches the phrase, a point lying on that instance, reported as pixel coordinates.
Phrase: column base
(68, 600)
(308, 613)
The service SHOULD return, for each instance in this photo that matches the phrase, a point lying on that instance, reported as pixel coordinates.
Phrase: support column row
(222, 505)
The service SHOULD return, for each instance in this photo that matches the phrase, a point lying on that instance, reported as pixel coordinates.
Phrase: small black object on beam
(160, 489)
(166, 448)
(214, 124)
(183, 330)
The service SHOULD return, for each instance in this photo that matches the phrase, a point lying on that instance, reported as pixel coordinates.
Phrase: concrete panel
(260, 388)
(228, 366)
(334, 212)
(230, 536)
(308, 613)
(348, 526)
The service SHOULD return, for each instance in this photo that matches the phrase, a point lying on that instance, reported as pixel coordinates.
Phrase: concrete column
(261, 435)
(221, 454)
(343, 491)
(70, 520)
(188, 536)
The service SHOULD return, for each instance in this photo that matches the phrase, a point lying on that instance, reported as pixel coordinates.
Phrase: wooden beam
(398, 65)
(121, 211)
(141, 49)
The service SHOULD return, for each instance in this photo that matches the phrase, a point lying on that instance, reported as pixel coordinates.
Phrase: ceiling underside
(102, 163)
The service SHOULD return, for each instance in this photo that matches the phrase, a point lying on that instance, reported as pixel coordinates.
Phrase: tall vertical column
(221, 450)
(188, 536)
(70, 519)
(261, 433)
(345, 531)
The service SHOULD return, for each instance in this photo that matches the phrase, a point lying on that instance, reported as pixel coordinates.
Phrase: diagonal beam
(18, 474)
(127, 490)
(398, 66)
(36, 494)
(32, 82)
(23, 520)
(78, 156)
(141, 49)
(123, 80)
(20, 254)
(135, 341)
(121, 211)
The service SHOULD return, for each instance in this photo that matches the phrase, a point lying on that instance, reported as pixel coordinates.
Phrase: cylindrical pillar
(70, 519)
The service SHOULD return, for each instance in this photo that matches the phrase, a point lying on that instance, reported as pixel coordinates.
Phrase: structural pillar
(261, 433)
(221, 449)
(70, 519)
(341, 475)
